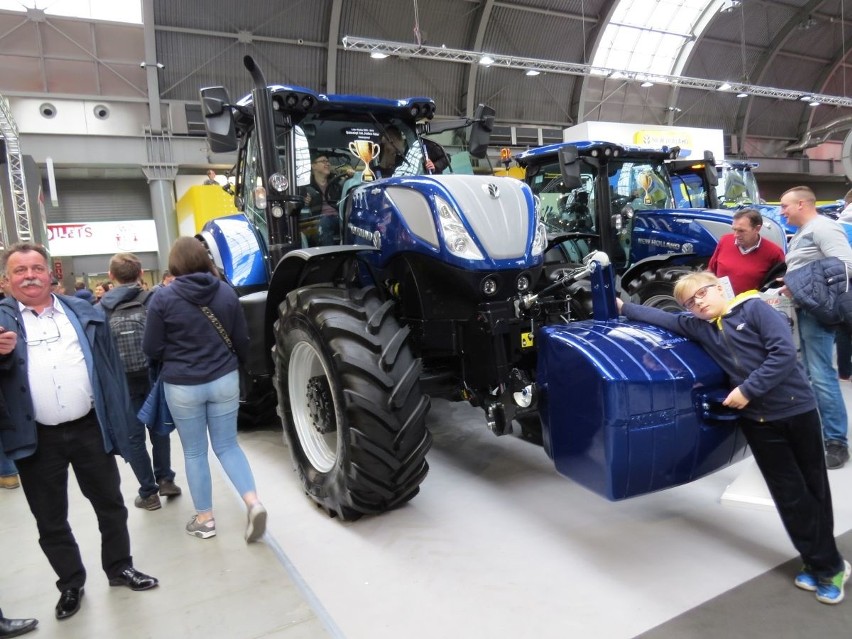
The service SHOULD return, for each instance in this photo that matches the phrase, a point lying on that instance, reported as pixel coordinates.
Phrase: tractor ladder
(17, 181)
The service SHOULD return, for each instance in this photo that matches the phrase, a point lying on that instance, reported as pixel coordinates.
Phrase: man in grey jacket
(819, 237)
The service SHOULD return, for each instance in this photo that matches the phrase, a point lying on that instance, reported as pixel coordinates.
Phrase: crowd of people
(191, 336)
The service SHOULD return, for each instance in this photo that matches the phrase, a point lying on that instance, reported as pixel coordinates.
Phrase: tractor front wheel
(350, 401)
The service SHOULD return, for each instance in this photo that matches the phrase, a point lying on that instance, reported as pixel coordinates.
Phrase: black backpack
(127, 323)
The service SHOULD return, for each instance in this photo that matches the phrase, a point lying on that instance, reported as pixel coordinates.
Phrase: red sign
(57, 269)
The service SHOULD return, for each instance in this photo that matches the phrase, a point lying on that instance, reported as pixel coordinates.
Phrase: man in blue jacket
(67, 400)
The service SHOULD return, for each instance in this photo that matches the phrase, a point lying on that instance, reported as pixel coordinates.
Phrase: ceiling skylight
(653, 37)
(111, 10)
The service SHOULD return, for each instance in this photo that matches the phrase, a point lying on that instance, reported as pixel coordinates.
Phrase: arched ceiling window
(655, 37)
(115, 11)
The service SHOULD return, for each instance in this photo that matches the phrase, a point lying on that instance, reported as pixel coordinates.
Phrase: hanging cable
(742, 41)
(843, 45)
(417, 36)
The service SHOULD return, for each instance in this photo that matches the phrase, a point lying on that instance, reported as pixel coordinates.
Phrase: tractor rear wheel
(350, 401)
(656, 288)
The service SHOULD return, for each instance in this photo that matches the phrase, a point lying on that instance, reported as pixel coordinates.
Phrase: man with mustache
(66, 396)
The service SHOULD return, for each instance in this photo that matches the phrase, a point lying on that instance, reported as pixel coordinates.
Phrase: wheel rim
(312, 406)
(664, 303)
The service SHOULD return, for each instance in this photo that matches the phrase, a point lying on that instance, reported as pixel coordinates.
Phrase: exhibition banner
(102, 238)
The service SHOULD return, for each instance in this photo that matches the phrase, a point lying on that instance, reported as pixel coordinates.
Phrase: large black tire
(350, 400)
(656, 288)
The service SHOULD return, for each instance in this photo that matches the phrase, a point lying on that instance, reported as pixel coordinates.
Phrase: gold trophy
(645, 183)
(365, 150)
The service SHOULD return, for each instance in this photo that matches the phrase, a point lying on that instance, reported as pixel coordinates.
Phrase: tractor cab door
(695, 182)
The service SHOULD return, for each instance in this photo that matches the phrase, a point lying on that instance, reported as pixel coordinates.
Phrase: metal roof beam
(474, 58)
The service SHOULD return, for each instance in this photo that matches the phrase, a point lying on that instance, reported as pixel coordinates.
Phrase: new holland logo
(492, 190)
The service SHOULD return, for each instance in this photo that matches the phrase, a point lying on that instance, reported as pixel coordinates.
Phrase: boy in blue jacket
(752, 343)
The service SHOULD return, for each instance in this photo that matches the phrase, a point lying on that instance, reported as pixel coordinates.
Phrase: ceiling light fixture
(378, 55)
(742, 94)
(813, 103)
(486, 60)
(725, 86)
(532, 72)
(646, 84)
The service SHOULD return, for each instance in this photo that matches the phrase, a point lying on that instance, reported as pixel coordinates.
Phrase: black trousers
(44, 478)
(789, 453)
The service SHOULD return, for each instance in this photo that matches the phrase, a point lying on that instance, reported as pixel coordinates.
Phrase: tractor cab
(594, 209)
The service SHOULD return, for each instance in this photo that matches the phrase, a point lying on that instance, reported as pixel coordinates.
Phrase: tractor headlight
(539, 240)
(278, 182)
(456, 238)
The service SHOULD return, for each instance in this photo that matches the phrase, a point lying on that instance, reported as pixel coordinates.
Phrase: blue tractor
(435, 286)
(641, 206)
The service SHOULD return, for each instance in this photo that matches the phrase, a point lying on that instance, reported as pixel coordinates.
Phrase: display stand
(749, 489)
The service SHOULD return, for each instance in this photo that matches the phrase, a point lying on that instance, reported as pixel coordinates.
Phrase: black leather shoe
(69, 603)
(134, 580)
(15, 627)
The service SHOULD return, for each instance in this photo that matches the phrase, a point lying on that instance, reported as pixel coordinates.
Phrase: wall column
(161, 171)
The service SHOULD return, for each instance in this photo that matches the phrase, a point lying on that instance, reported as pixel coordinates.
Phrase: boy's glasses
(700, 294)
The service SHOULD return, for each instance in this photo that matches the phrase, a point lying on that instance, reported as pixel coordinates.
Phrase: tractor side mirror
(218, 120)
(569, 167)
(710, 168)
(480, 132)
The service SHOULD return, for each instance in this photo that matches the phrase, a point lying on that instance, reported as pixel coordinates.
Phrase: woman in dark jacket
(196, 330)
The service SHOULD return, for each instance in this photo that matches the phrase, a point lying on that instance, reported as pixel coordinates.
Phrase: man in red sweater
(743, 256)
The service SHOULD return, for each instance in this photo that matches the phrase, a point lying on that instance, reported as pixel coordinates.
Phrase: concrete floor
(496, 545)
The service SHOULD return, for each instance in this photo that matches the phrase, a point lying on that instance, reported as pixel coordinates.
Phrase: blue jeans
(7, 466)
(137, 456)
(818, 353)
(200, 409)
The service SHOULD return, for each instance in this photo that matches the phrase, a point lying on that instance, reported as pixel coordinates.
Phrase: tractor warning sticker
(526, 340)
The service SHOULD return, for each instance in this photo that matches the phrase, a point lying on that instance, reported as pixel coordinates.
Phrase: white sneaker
(256, 522)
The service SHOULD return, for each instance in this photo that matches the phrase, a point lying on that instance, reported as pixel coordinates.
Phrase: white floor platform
(496, 545)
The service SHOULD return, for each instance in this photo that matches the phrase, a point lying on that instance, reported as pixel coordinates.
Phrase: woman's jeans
(212, 407)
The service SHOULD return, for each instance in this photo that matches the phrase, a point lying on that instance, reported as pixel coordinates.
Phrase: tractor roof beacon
(433, 286)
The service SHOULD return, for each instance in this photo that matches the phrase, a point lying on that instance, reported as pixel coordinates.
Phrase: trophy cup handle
(353, 149)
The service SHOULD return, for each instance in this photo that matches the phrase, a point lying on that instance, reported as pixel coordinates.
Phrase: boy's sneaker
(203, 531)
(806, 580)
(831, 591)
(168, 488)
(151, 502)
(836, 454)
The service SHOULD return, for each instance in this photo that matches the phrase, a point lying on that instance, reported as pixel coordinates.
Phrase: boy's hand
(618, 304)
(736, 399)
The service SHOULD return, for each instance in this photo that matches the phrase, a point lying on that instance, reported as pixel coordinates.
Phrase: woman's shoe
(9, 481)
(202, 530)
(256, 522)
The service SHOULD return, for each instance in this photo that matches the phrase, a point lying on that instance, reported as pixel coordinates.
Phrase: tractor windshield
(356, 145)
(737, 186)
(642, 184)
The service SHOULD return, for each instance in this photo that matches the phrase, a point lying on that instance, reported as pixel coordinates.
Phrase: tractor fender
(303, 267)
(629, 408)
